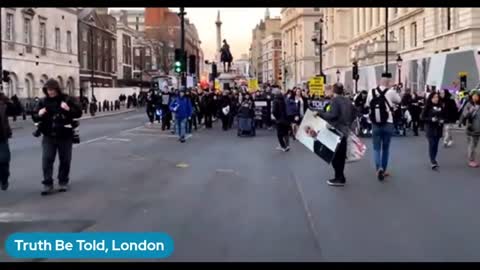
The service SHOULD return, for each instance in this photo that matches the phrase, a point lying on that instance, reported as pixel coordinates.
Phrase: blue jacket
(182, 107)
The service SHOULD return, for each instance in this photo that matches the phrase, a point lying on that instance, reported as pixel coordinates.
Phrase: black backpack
(378, 107)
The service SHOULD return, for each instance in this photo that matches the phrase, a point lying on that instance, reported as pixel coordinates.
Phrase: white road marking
(132, 129)
(134, 117)
(12, 217)
(90, 141)
(118, 139)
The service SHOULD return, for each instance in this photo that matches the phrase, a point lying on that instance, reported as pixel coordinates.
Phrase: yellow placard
(252, 85)
(463, 73)
(316, 85)
(217, 85)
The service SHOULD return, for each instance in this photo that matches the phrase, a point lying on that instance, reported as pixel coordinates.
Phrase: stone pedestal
(226, 79)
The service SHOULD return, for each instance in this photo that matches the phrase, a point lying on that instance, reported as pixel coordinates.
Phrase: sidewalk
(20, 123)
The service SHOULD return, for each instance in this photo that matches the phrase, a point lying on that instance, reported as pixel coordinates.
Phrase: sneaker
(386, 174)
(47, 190)
(473, 164)
(450, 143)
(336, 182)
(182, 140)
(286, 149)
(63, 187)
(4, 186)
(380, 175)
(434, 166)
(279, 148)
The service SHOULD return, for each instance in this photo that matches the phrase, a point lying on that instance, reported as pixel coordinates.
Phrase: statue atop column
(226, 56)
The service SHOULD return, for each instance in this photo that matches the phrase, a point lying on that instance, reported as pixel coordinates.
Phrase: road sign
(316, 85)
(252, 85)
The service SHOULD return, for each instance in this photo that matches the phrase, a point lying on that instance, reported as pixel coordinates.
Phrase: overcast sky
(237, 25)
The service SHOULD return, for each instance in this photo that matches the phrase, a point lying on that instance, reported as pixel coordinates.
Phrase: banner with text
(316, 85)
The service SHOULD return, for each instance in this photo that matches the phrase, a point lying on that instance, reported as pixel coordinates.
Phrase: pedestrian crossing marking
(182, 165)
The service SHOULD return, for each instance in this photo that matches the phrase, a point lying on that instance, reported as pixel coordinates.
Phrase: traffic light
(214, 70)
(6, 76)
(355, 74)
(179, 61)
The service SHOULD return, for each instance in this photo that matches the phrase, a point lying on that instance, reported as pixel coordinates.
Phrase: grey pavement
(238, 199)
(20, 123)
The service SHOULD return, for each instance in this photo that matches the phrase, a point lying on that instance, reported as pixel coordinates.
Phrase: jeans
(433, 148)
(338, 162)
(50, 147)
(282, 135)
(472, 147)
(382, 136)
(447, 133)
(4, 162)
(181, 126)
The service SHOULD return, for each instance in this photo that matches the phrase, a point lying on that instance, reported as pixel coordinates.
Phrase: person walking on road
(7, 109)
(279, 112)
(57, 112)
(433, 116)
(451, 116)
(341, 115)
(182, 107)
(381, 101)
(471, 116)
(151, 105)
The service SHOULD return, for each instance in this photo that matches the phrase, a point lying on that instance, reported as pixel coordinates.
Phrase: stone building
(38, 44)
(435, 44)
(97, 43)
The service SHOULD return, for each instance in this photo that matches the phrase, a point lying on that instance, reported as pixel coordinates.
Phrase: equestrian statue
(226, 57)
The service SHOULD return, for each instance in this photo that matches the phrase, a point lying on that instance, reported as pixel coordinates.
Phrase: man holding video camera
(55, 115)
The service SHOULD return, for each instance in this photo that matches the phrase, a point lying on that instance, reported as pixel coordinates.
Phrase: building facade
(39, 44)
(298, 27)
(265, 28)
(97, 43)
(435, 44)
(272, 58)
(135, 18)
(125, 39)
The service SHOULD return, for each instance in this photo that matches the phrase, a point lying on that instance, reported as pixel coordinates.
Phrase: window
(395, 12)
(84, 35)
(449, 19)
(316, 26)
(136, 23)
(391, 36)
(413, 38)
(147, 52)
(423, 28)
(316, 9)
(57, 39)
(402, 38)
(43, 35)
(9, 27)
(113, 56)
(69, 42)
(137, 52)
(27, 31)
(83, 64)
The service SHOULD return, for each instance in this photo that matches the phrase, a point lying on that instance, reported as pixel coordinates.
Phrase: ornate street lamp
(399, 66)
(338, 75)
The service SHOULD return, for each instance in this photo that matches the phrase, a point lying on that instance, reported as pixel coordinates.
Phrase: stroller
(363, 126)
(246, 122)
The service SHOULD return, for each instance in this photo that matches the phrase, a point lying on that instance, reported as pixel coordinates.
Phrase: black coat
(434, 117)
(279, 110)
(53, 123)
(451, 109)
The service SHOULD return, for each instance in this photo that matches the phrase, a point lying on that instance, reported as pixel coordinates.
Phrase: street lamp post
(92, 48)
(355, 74)
(295, 60)
(386, 41)
(285, 70)
(399, 66)
(320, 42)
(338, 75)
(1, 54)
(182, 14)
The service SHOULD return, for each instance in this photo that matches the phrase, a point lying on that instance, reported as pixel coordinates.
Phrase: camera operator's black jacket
(53, 122)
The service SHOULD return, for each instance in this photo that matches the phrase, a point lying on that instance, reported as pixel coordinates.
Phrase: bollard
(111, 106)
